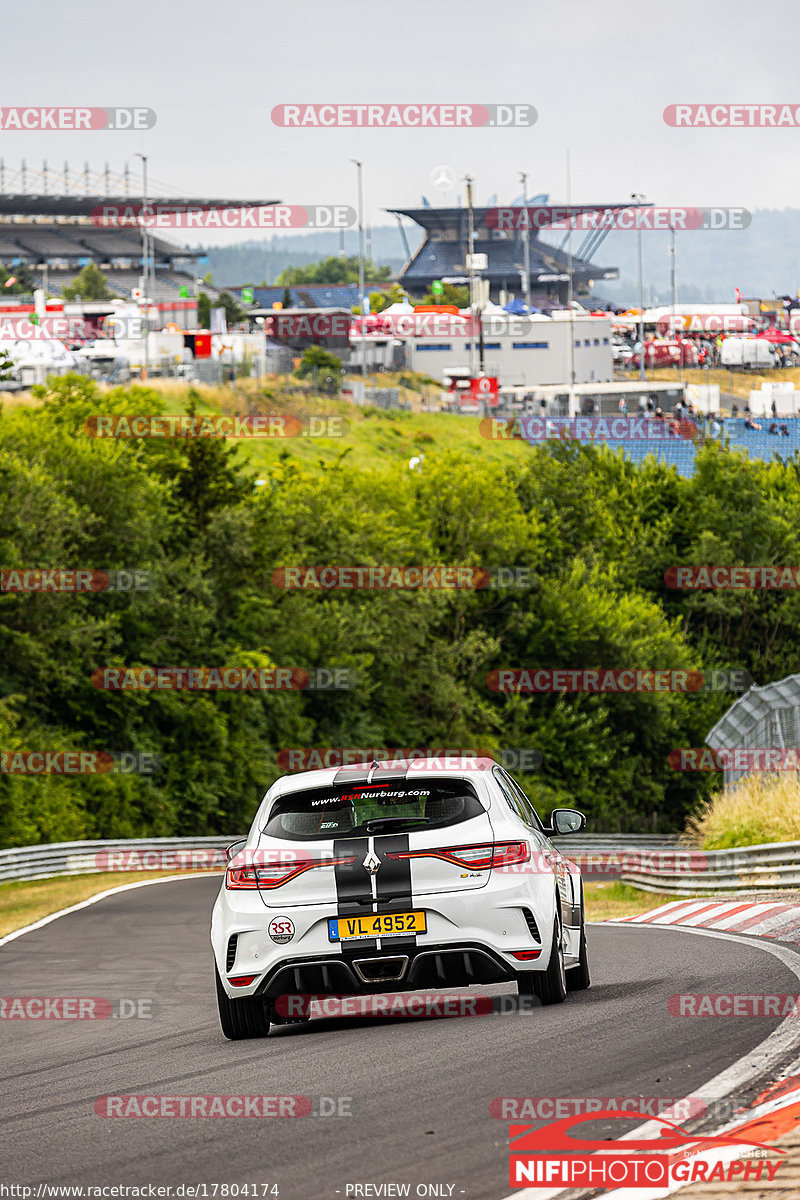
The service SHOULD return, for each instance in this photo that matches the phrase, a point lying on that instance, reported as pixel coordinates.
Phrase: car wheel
(551, 985)
(247, 1017)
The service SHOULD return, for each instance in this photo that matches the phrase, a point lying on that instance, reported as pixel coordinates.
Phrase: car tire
(247, 1017)
(549, 986)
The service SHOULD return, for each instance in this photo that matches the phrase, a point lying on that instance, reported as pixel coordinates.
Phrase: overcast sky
(599, 74)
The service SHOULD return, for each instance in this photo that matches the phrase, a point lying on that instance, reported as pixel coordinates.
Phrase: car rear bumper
(409, 967)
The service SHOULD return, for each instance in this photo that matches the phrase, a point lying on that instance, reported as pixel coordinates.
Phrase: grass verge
(609, 901)
(28, 901)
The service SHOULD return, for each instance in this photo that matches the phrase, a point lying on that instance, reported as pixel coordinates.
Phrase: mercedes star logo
(372, 862)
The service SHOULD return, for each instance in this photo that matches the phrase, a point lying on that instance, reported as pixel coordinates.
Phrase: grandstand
(762, 444)
(759, 445)
(442, 256)
(54, 236)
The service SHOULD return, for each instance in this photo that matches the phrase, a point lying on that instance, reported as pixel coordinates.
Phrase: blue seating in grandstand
(680, 454)
(759, 445)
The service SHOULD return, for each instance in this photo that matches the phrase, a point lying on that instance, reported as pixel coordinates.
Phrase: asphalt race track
(420, 1089)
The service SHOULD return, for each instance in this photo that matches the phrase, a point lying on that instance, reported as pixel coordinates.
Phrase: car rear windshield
(363, 810)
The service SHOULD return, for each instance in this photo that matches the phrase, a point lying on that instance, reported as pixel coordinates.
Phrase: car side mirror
(234, 849)
(566, 820)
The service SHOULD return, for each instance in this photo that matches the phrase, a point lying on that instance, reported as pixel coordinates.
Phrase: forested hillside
(596, 534)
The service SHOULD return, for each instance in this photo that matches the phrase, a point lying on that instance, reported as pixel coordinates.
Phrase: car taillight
(479, 858)
(274, 876)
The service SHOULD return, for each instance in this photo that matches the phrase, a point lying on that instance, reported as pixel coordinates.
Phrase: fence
(86, 858)
(747, 869)
(89, 858)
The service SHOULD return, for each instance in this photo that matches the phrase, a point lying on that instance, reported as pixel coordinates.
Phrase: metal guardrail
(130, 854)
(125, 854)
(652, 863)
(774, 865)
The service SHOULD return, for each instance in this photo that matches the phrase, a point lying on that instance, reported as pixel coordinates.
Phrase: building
(522, 351)
(55, 235)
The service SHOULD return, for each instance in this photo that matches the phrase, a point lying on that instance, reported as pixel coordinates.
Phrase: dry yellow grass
(762, 808)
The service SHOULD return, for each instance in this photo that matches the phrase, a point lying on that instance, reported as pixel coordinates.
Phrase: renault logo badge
(372, 862)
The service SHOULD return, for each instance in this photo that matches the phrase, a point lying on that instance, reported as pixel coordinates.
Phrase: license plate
(348, 929)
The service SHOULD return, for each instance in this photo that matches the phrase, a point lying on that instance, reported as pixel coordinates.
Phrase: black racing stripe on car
(394, 884)
(353, 886)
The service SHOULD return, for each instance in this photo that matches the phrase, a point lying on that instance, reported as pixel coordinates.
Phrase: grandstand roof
(442, 255)
(24, 204)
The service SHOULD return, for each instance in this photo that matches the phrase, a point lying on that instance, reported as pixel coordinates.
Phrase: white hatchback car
(393, 877)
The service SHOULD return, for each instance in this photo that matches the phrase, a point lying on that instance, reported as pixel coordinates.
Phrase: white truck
(748, 352)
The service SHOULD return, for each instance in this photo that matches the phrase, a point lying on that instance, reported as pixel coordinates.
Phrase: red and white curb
(767, 919)
(776, 1111)
(773, 1115)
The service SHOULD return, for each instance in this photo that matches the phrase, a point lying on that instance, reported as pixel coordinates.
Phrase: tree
(203, 311)
(89, 284)
(233, 312)
(6, 365)
(25, 283)
(378, 301)
(316, 362)
(336, 269)
(450, 294)
(287, 298)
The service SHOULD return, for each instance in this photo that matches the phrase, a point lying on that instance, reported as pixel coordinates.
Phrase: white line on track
(63, 912)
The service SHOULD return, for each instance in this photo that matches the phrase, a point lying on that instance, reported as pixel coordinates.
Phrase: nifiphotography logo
(552, 1157)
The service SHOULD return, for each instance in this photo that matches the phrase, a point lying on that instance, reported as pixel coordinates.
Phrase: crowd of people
(710, 424)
